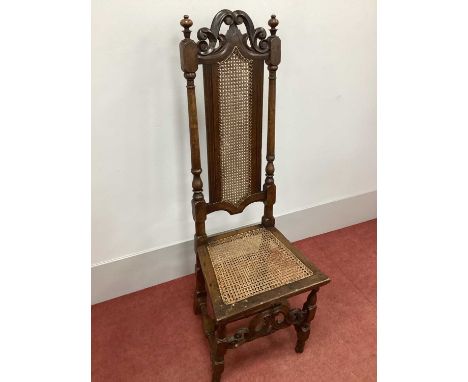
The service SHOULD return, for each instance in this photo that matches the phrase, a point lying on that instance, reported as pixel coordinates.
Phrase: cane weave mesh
(236, 129)
(253, 262)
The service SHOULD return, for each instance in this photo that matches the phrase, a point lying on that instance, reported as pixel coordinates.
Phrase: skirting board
(120, 277)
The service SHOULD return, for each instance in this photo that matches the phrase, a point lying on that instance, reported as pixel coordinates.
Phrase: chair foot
(217, 353)
(299, 348)
(218, 368)
(303, 332)
(303, 326)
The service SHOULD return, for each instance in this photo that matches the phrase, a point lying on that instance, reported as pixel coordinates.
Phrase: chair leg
(303, 327)
(199, 296)
(217, 354)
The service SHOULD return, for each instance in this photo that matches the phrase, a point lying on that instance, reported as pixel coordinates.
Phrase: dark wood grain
(270, 310)
(212, 111)
(189, 65)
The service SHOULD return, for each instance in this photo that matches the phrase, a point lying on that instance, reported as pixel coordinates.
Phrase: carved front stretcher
(251, 271)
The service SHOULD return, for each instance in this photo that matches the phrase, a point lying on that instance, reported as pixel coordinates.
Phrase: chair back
(233, 71)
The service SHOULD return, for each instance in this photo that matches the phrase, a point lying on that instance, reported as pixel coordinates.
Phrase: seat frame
(270, 310)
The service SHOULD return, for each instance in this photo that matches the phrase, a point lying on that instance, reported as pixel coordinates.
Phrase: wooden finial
(186, 23)
(273, 23)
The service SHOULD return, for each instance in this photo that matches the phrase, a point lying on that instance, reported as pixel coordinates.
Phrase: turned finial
(186, 23)
(273, 23)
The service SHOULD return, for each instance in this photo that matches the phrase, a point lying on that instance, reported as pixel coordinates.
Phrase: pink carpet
(152, 335)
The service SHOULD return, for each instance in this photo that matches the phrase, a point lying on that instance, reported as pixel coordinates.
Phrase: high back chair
(251, 271)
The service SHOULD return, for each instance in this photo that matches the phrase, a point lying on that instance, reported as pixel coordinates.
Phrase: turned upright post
(189, 65)
(272, 61)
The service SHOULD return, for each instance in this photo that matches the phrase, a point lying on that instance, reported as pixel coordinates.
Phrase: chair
(251, 271)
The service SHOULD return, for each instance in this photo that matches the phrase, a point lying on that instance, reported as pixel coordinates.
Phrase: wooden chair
(251, 271)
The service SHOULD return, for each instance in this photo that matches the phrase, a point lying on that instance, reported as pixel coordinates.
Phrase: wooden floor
(137, 337)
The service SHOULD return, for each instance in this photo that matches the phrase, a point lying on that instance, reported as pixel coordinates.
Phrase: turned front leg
(303, 327)
(217, 353)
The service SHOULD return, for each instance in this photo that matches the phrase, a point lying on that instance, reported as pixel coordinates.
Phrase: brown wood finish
(213, 139)
(270, 310)
(225, 313)
(189, 65)
(273, 61)
(209, 61)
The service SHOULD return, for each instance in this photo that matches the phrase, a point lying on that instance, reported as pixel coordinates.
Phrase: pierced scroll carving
(273, 319)
(211, 40)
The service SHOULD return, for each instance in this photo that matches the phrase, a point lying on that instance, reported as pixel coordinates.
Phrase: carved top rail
(213, 43)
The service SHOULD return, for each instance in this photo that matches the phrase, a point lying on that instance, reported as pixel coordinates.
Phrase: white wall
(326, 115)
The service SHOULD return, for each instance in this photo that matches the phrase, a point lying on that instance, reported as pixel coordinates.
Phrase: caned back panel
(233, 102)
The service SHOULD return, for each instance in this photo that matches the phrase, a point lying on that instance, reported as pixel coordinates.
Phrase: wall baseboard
(127, 275)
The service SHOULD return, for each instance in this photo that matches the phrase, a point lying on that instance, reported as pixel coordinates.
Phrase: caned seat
(251, 271)
(249, 267)
(252, 262)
